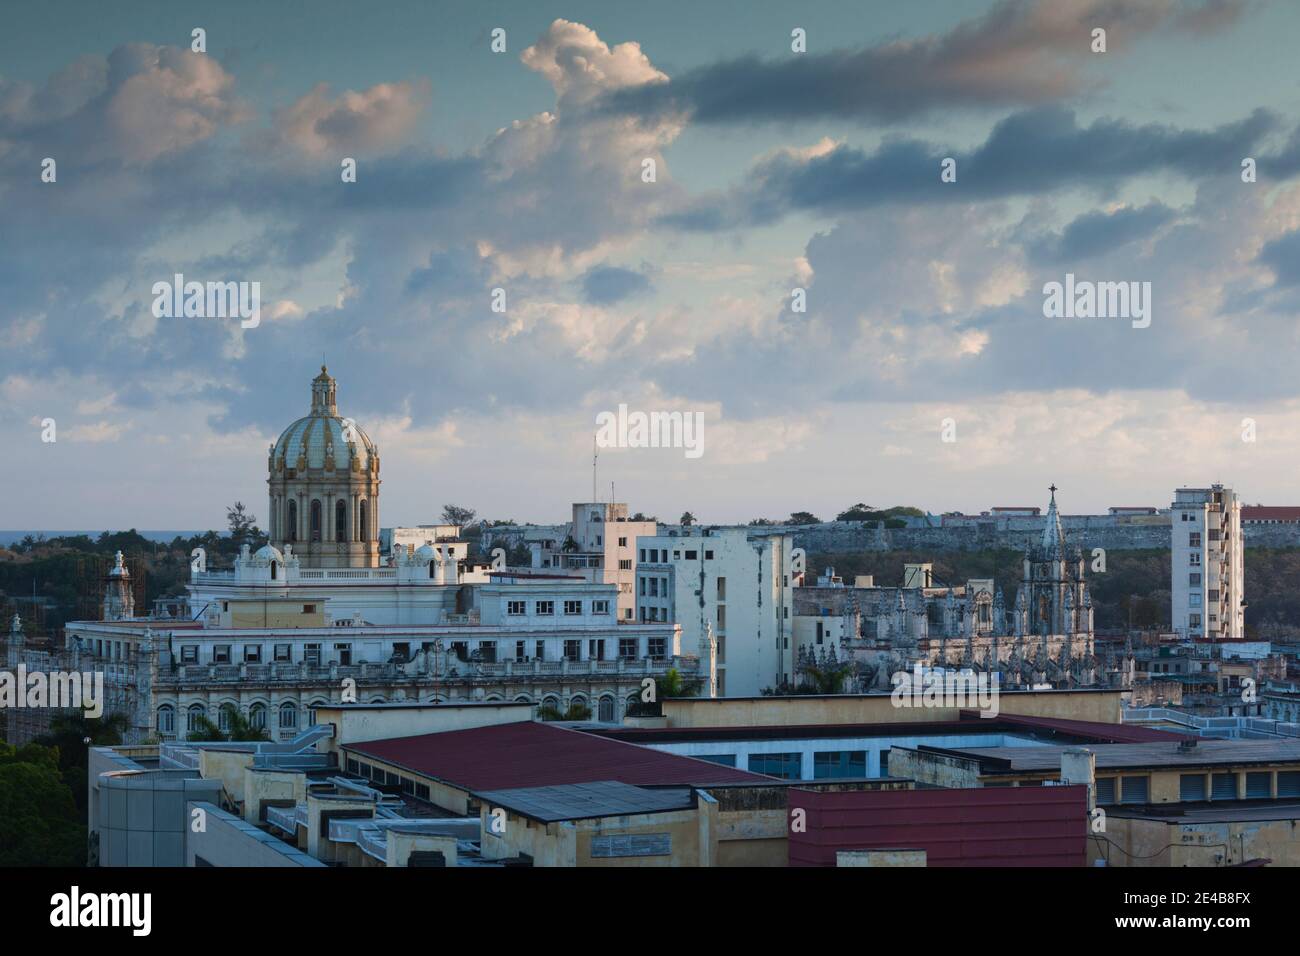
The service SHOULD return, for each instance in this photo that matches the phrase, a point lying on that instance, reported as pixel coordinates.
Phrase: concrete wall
(226, 840)
(1138, 843)
(1102, 706)
(140, 816)
(355, 725)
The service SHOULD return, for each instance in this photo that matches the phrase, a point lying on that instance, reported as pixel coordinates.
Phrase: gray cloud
(1020, 53)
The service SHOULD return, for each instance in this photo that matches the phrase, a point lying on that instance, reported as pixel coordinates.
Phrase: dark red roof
(1270, 513)
(530, 754)
(977, 826)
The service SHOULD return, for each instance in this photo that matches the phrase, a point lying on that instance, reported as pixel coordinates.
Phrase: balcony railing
(457, 672)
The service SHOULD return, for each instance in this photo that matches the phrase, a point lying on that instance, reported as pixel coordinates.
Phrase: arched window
(257, 716)
(192, 717)
(291, 532)
(606, 715)
(340, 521)
(223, 716)
(362, 514)
(275, 514)
(311, 711)
(273, 563)
(288, 715)
(315, 519)
(433, 565)
(166, 719)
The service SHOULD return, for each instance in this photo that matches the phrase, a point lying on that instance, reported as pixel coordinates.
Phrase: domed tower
(324, 487)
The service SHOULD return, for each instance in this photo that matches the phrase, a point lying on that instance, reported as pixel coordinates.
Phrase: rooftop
(1125, 756)
(585, 801)
(529, 754)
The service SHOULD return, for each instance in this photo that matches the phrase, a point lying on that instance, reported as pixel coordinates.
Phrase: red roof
(977, 826)
(531, 754)
(1270, 513)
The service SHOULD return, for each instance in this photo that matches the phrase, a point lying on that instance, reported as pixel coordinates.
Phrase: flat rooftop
(1039, 728)
(585, 801)
(1125, 756)
(530, 754)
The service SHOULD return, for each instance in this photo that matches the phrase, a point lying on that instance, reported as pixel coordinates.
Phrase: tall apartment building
(1207, 587)
(734, 581)
(601, 543)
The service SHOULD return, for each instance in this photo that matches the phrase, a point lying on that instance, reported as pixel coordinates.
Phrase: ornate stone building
(324, 486)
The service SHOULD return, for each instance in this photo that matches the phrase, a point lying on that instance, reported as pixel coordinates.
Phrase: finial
(1052, 489)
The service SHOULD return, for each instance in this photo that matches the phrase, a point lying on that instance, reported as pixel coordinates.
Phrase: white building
(320, 616)
(732, 583)
(1208, 569)
(600, 543)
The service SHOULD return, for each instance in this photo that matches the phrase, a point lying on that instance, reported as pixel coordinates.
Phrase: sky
(921, 370)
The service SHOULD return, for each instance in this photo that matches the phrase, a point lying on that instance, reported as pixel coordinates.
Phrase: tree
(39, 824)
(687, 519)
(240, 728)
(242, 524)
(72, 736)
(640, 517)
(455, 514)
(803, 517)
(858, 512)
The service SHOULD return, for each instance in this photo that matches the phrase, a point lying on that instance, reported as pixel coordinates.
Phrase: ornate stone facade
(324, 487)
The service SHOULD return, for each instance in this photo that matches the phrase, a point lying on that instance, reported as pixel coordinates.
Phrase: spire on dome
(323, 394)
(1053, 537)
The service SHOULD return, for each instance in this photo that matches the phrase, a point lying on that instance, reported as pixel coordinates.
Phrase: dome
(423, 554)
(323, 435)
(268, 553)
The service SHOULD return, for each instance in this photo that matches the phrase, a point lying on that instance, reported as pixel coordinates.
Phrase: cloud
(1104, 231)
(580, 66)
(1028, 153)
(354, 123)
(1020, 53)
(606, 285)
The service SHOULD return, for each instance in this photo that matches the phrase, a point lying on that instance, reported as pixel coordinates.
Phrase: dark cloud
(1029, 153)
(606, 285)
(1020, 53)
(1095, 233)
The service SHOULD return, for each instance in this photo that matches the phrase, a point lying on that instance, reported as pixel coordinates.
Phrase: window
(622, 542)
(599, 607)
(722, 617)
(572, 650)
(515, 607)
(166, 719)
(189, 654)
(627, 647)
(257, 716)
(1191, 786)
(641, 555)
(292, 530)
(725, 760)
(605, 710)
(315, 519)
(1105, 790)
(1288, 783)
(288, 715)
(722, 589)
(785, 766)
(541, 651)
(193, 718)
(1193, 620)
(1223, 786)
(521, 650)
(252, 653)
(309, 609)
(362, 522)
(283, 653)
(223, 717)
(658, 647)
(708, 555)
(839, 763)
(487, 652)
(340, 521)
(1133, 789)
(1259, 785)
(641, 586)
(344, 653)
(572, 607)
(1194, 559)
(545, 608)
(221, 654)
(625, 564)
(311, 654)
(1194, 579)
(1194, 539)
(692, 555)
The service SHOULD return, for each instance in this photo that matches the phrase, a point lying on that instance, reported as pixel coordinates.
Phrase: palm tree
(241, 728)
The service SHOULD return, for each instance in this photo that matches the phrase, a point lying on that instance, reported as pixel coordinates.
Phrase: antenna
(595, 454)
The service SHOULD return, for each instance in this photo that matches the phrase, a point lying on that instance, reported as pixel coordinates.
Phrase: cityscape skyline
(819, 187)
